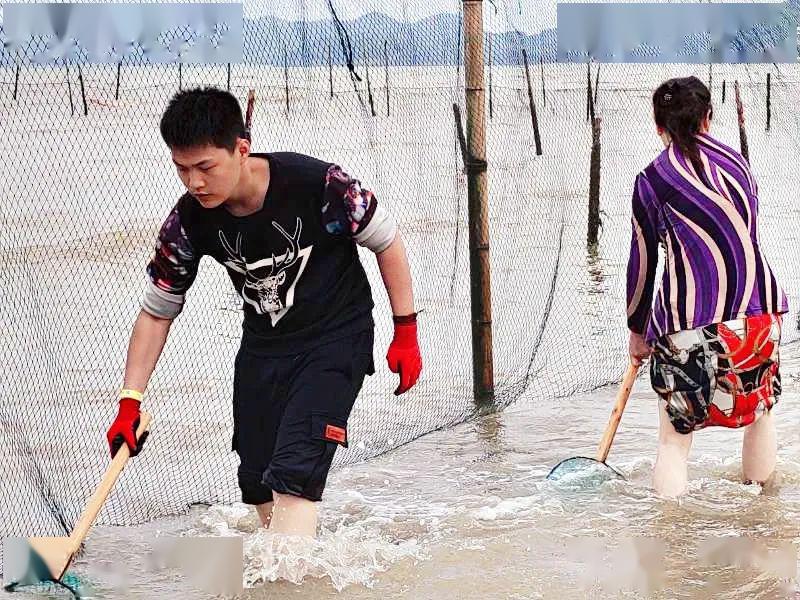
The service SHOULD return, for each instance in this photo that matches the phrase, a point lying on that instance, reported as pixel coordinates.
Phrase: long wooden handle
(616, 413)
(104, 489)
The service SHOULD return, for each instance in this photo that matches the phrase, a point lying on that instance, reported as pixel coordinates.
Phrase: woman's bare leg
(759, 449)
(670, 471)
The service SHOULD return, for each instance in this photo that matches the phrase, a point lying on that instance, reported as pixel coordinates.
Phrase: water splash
(348, 554)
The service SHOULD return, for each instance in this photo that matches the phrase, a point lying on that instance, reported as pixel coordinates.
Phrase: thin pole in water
(742, 131)
(544, 93)
(769, 99)
(286, 78)
(369, 91)
(69, 90)
(596, 85)
(534, 119)
(594, 185)
(248, 119)
(83, 92)
(330, 68)
(386, 72)
(589, 97)
(119, 72)
(16, 82)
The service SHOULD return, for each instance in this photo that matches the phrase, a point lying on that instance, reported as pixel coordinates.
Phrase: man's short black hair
(202, 116)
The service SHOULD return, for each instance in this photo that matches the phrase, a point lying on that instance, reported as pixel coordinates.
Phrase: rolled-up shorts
(725, 374)
(290, 415)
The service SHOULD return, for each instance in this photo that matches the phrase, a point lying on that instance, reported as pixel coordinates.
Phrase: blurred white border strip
(678, 33)
(51, 33)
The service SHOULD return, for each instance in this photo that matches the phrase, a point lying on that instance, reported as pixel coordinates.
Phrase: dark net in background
(82, 197)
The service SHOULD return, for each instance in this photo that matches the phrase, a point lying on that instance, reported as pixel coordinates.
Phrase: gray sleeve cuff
(161, 304)
(379, 233)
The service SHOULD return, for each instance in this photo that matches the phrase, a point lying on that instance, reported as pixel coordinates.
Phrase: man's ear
(242, 148)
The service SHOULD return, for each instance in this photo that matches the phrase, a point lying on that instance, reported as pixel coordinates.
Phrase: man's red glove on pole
(123, 429)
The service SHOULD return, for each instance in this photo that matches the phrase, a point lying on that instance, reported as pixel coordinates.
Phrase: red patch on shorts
(335, 434)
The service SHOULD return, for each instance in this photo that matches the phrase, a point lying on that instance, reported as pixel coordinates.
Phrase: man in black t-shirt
(285, 226)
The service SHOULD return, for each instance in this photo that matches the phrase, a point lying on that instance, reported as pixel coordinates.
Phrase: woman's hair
(679, 106)
(202, 116)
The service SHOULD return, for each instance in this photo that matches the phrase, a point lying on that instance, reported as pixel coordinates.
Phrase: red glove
(403, 356)
(123, 429)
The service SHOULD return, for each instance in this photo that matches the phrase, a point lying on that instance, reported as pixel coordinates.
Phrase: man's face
(209, 173)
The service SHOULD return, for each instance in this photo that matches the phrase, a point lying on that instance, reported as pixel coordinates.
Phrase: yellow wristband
(131, 394)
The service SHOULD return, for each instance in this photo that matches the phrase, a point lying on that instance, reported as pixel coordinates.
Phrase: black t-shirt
(294, 262)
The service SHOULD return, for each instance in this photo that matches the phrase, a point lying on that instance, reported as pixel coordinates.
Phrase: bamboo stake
(477, 192)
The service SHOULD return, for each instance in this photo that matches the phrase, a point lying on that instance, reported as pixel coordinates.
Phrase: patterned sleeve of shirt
(352, 211)
(643, 258)
(172, 269)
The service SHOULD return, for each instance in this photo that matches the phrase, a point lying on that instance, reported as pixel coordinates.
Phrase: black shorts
(290, 414)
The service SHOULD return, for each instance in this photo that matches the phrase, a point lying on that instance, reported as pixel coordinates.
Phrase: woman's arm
(642, 264)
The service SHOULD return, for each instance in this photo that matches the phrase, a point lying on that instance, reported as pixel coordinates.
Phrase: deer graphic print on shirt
(269, 283)
(294, 262)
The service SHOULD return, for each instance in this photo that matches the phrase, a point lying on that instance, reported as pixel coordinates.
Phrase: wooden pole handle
(616, 413)
(104, 489)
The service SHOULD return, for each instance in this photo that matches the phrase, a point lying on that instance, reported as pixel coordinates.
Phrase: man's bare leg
(265, 513)
(294, 516)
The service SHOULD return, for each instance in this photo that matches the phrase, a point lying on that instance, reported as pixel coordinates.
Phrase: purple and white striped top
(707, 224)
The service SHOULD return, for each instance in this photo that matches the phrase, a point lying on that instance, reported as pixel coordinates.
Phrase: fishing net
(86, 181)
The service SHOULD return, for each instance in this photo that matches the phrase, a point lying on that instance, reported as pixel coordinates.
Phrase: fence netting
(85, 184)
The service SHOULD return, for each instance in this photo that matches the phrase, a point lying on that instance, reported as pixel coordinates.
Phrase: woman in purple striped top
(713, 329)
